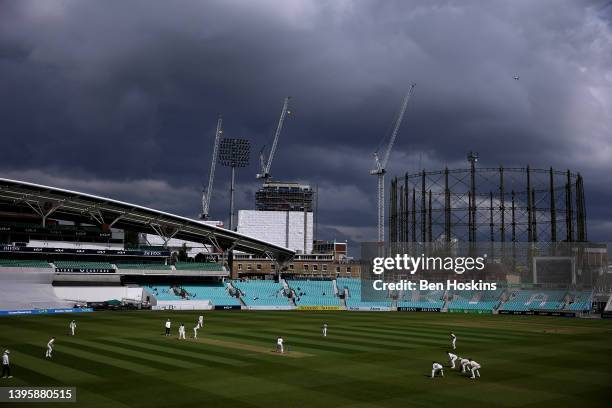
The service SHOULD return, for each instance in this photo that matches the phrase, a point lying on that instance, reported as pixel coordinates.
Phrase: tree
(182, 254)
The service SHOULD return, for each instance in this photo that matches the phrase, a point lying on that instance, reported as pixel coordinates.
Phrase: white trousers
(435, 371)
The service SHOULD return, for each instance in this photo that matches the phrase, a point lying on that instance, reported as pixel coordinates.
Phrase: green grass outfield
(122, 359)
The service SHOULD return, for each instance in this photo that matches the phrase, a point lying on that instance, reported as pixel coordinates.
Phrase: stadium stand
(474, 300)
(145, 266)
(23, 263)
(261, 293)
(82, 265)
(580, 301)
(56, 227)
(525, 300)
(421, 299)
(314, 292)
(217, 294)
(353, 298)
(198, 266)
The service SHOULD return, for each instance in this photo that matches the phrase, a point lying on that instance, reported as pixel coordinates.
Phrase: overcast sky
(120, 98)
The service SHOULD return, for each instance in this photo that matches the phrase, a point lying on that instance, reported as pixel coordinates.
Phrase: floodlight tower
(381, 166)
(234, 153)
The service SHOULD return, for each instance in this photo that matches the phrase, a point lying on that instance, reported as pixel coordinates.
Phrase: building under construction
(494, 204)
(283, 196)
(283, 215)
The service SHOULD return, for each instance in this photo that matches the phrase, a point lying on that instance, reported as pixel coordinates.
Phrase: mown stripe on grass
(106, 357)
(145, 362)
(364, 337)
(64, 356)
(464, 333)
(145, 355)
(294, 342)
(161, 346)
(372, 338)
(248, 347)
(349, 340)
(22, 374)
(415, 338)
(28, 356)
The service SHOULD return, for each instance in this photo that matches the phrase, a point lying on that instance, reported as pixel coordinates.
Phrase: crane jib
(265, 169)
(381, 166)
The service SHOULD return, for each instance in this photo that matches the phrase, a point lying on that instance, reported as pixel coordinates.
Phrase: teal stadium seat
(526, 300)
(314, 292)
(261, 293)
(354, 294)
(580, 301)
(216, 293)
(474, 299)
(421, 299)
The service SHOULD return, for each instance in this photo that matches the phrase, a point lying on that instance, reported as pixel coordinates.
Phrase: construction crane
(265, 165)
(206, 194)
(381, 166)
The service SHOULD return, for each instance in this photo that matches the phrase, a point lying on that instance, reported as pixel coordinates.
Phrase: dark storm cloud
(121, 98)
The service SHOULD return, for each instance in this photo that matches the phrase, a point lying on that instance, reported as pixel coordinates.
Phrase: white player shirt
(453, 336)
(474, 365)
(279, 341)
(5, 359)
(50, 343)
(167, 324)
(436, 366)
(201, 319)
(452, 356)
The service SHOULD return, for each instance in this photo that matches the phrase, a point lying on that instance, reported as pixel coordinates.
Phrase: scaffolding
(279, 196)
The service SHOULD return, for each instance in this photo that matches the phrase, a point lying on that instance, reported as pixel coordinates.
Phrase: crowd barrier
(369, 309)
(417, 309)
(537, 313)
(270, 307)
(471, 311)
(45, 311)
(320, 308)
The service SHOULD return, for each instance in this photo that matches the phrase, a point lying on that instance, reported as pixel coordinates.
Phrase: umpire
(6, 365)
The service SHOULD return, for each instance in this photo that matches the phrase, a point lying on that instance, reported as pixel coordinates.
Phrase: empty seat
(24, 263)
(314, 292)
(261, 293)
